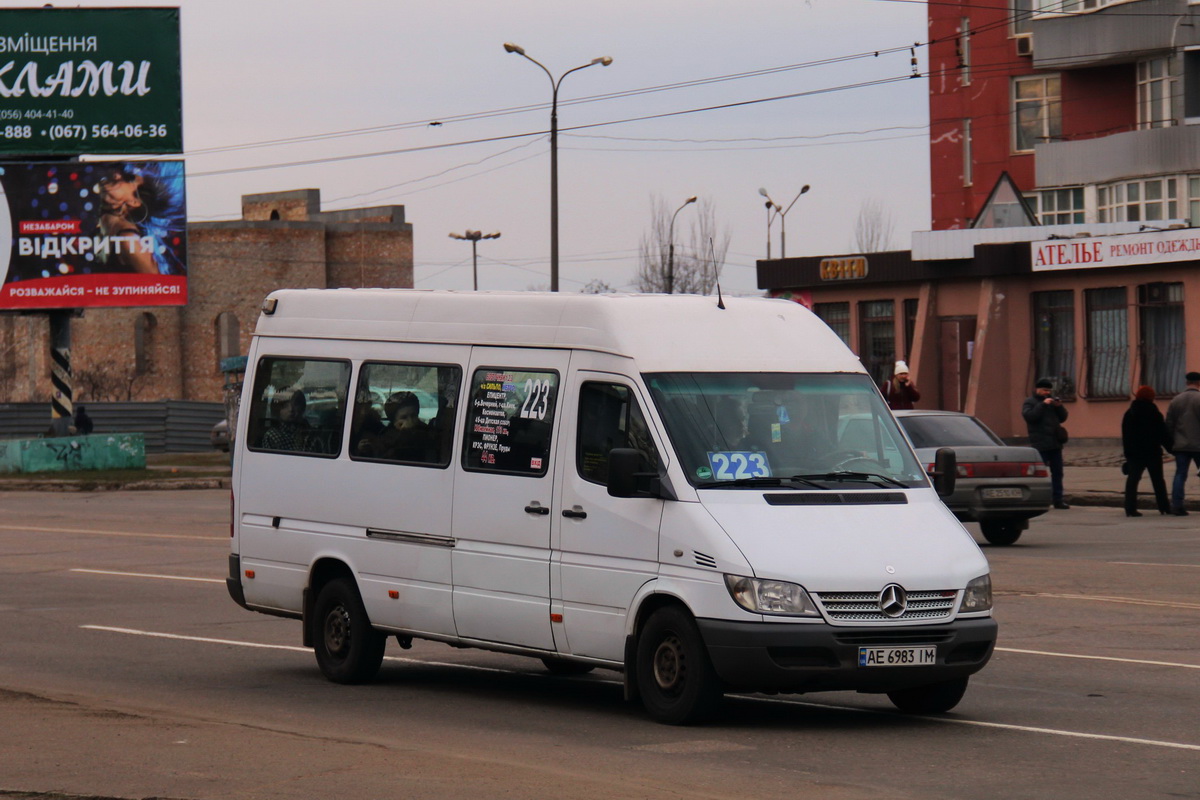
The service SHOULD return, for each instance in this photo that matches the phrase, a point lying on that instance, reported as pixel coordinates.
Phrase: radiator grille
(864, 606)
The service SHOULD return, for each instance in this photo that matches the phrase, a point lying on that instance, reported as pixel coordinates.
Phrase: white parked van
(651, 484)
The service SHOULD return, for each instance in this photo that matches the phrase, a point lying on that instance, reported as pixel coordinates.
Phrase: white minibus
(643, 483)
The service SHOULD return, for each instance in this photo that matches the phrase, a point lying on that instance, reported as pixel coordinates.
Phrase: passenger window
(509, 421)
(609, 416)
(298, 406)
(404, 413)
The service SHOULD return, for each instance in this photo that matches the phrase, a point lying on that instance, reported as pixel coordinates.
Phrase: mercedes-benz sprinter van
(658, 485)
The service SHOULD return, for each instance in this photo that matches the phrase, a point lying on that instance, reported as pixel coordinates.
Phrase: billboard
(92, 234)
(90, 80)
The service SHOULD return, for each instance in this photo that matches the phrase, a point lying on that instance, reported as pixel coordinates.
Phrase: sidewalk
(1092, 477)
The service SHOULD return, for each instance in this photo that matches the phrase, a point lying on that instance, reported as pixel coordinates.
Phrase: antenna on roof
(713, 252)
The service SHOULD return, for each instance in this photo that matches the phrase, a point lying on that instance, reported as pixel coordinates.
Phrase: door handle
(574, 513)
(534, 508)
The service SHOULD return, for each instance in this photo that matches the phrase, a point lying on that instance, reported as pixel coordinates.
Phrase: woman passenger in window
(291, 431)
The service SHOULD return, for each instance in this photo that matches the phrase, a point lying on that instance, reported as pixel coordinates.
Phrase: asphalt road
(126, 671)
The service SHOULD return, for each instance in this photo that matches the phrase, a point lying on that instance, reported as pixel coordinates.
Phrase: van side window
(509, 420)
(298, 406)
(404, 413)
(609, 416)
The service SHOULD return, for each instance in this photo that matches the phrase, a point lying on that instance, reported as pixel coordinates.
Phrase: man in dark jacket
(1183, 423)
(1044, 415)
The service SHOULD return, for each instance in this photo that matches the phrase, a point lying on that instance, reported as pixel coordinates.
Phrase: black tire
(936, 698)
(1001, 533)
(675, 677)
(562, 666)
(348, 649)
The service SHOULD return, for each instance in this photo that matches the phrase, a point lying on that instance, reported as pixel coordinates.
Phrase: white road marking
(1098, 658)
(95, 532)
(1149, 564)
(943, 720)
(147, 575)
(1103, 599)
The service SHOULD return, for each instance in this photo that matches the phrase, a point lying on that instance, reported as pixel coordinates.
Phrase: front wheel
(675, 678)
(936, 698)
(1001, 533)
(348, 649)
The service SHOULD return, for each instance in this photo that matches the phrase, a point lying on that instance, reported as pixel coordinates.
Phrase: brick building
(154, 353)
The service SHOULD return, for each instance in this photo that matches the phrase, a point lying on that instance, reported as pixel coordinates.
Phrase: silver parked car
(999, 486)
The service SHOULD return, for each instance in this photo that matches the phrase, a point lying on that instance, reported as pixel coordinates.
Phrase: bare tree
(107, 380)
(597, 286)
(874, 227)
(699, 252)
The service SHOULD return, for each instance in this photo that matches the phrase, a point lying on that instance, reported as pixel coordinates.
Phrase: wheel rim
(337, 630)
(669, 664)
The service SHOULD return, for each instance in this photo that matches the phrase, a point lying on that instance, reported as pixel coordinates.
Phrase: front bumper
(771, 657)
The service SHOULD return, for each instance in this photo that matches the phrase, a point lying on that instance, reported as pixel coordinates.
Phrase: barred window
(1107, 342)
(877, 337)
(1054, 340)
(837, 317)
(1160, 326)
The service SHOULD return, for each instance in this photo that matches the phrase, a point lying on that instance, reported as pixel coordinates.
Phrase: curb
(102, 486)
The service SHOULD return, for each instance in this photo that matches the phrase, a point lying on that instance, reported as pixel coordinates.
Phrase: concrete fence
(169, 426)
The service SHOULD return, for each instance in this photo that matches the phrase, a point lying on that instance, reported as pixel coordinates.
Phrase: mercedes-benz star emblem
(893, 600)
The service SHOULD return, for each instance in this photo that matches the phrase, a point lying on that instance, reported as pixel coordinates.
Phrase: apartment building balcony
(1116, 33)
(1155, 151)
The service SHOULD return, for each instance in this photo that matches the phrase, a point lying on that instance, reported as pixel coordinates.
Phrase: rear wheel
(1001, 533)
(936, 698)
(675, 678)
(561, 666)
(348, 649)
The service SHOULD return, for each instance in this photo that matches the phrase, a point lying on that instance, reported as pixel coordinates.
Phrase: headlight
(978, 595)
(770, 597)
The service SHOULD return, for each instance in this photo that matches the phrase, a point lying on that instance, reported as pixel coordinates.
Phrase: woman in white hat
(900, 392)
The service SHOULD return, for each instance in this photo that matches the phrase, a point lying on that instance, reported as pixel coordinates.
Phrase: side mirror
(945, 471)
(628, 476)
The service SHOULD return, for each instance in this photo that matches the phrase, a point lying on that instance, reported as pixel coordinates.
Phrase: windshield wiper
(845, 475)
(767, 482)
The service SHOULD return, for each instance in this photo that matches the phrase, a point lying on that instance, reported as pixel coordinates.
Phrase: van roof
(670, 333)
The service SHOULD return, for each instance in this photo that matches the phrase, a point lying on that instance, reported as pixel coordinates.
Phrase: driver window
(609, 416)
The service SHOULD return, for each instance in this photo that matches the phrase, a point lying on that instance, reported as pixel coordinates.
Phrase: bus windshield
(753, 429)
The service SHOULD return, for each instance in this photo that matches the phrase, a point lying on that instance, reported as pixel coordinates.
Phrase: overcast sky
(259, 71)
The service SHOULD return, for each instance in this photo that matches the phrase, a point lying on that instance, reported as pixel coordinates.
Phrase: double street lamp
(473, 237)
(671, 245)
(603, 61)
(782, 212)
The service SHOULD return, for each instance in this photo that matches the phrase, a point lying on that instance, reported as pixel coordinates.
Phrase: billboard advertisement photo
(92, 234)
(90, 80)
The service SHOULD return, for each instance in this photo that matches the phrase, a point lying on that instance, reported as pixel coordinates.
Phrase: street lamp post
(473, 237)
(782, 220)
(604, 61)
(671, 245)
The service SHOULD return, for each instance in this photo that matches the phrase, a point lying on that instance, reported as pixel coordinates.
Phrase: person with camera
(1183, 423)
(1044, 417)
(900, 392)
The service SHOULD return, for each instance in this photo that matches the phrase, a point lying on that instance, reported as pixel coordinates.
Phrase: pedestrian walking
(1143, 437)
(1044, 417)
(1183, 422)
(900, 392)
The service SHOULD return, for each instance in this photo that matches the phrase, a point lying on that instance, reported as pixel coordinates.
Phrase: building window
(966, 143)
(143, 343)
(1054, 340)
(228, 336)
(1191, 85)
(1021, 10)
(1154, 85)
(1037, 111)
(964, 52)
(1061, 206)
(910, 326)
(1107, 342)
(837, 317)
(1160, 327)
(1137, 201)
(877, 337)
